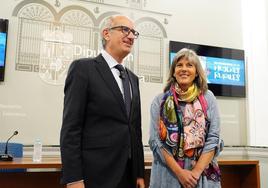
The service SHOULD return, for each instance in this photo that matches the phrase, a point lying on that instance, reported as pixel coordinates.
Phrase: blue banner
(3, 38)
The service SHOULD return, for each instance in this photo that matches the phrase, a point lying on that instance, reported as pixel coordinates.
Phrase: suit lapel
(107, 75)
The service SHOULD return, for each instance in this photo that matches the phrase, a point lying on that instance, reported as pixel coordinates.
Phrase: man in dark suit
(101, 141)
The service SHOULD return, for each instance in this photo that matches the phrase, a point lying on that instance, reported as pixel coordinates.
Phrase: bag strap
(203, 103)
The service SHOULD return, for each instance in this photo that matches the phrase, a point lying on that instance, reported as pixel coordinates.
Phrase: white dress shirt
(112, 63)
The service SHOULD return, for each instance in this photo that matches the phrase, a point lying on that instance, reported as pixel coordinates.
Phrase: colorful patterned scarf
(187, 96)
(183, 133)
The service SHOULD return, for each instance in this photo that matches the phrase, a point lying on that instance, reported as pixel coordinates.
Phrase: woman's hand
(187, 178)
(196, 173)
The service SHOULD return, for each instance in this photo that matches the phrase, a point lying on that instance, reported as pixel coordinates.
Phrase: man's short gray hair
(108, 23)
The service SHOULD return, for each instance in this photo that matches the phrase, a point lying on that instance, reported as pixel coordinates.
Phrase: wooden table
(235, 173)
(45, 174)
(27, 162)
(243, 173)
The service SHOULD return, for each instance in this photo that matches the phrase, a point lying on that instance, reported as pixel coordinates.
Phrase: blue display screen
(222, 70)
(3, 38)
(224, 67)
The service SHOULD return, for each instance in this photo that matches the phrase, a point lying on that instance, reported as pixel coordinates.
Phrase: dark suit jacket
(96, 133)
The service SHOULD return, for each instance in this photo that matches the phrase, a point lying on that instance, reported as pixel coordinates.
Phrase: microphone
(121, 70)
(6, 156)
(122, 75)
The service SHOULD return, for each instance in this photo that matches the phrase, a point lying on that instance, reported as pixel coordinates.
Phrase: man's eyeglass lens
(126, 30)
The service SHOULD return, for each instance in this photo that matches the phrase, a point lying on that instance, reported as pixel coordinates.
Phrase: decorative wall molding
(51, 58)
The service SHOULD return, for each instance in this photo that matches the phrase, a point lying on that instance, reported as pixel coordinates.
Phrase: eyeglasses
(126, 30)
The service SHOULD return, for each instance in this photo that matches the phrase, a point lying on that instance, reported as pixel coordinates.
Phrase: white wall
(26, 102)
(34, 108)
(255, 41)
(210, 22)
